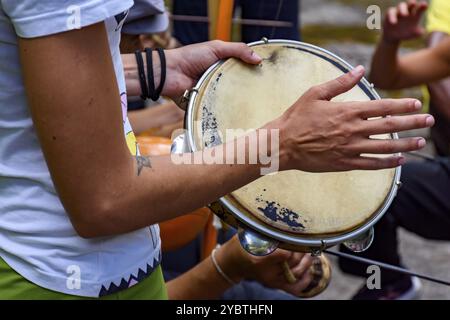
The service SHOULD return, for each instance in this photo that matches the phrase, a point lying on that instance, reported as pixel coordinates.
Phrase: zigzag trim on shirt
(132, 279)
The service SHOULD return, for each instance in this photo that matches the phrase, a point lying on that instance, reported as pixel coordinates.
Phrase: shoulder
(31, 19)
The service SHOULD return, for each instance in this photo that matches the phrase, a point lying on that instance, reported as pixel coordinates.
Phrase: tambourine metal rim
(326, 241)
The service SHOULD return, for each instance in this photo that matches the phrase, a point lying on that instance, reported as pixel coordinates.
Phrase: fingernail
(417, 105)
(401, 161)
(429, 121)
(357, 71)
(256, 56)
(421, 143)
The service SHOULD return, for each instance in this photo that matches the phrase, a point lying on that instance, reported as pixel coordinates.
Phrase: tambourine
(294, 210)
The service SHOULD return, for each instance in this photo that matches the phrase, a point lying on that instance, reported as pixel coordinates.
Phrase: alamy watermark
(74, 19)
(242, 147)
(73, 281)
(373, 282)
(373, 21)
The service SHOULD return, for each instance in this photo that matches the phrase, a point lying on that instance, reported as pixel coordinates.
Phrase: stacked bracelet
(141, 73)
(149, 91)
(151, 81)
(162, 61)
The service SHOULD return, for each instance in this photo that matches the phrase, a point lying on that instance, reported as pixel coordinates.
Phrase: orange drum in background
(153, 146)
(159, 120)
(178, 232)
(163, 131)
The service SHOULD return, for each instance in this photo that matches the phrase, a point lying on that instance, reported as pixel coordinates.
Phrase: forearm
(172, 86)
(390, 71)
(151, 190)
(131, 73)
(163, 118)
(140, 121)
(201, 282)
(204, 281)
(384, 69)
(440, 90)
(440, 94)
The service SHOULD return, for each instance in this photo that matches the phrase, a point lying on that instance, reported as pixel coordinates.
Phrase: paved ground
(424, 256)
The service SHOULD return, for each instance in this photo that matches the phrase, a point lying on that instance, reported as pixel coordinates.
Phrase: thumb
(235, 49)
(280, 255)
(333, 88)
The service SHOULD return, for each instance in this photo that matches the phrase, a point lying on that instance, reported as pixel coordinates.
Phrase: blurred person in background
(279, 10)
(438, 27)
(422, 204)
(147, 26)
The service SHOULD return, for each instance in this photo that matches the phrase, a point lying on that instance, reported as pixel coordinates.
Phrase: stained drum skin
(238, 96)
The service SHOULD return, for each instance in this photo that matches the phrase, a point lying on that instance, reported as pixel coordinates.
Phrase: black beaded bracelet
(141, 73)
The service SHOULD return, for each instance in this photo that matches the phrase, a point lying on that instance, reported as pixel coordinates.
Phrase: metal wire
(250, 22)
(387, 266)
(277, 16)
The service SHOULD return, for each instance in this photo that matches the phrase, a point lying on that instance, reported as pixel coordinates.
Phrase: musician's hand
(268, 270)
(319, 135)
(402, 22)
(185, 65)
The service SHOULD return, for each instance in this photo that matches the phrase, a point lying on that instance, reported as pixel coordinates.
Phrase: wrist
(131, 72)
(232, 260)
(282, 151)
(390, 41)
(173, 85)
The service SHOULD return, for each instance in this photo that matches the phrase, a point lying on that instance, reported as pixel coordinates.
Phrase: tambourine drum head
(240, 96)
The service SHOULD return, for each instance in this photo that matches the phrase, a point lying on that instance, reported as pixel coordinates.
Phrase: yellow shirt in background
(438, 20)
(438, 17)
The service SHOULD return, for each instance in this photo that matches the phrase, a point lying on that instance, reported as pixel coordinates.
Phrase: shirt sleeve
(37, 18)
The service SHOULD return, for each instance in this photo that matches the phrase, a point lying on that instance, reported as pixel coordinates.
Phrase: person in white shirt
(79, 205)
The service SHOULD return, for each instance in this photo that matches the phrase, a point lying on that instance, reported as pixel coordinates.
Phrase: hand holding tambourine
(297, 273)
(319, 272)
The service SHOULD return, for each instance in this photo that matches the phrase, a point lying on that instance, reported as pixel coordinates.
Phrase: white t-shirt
(36, 237)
